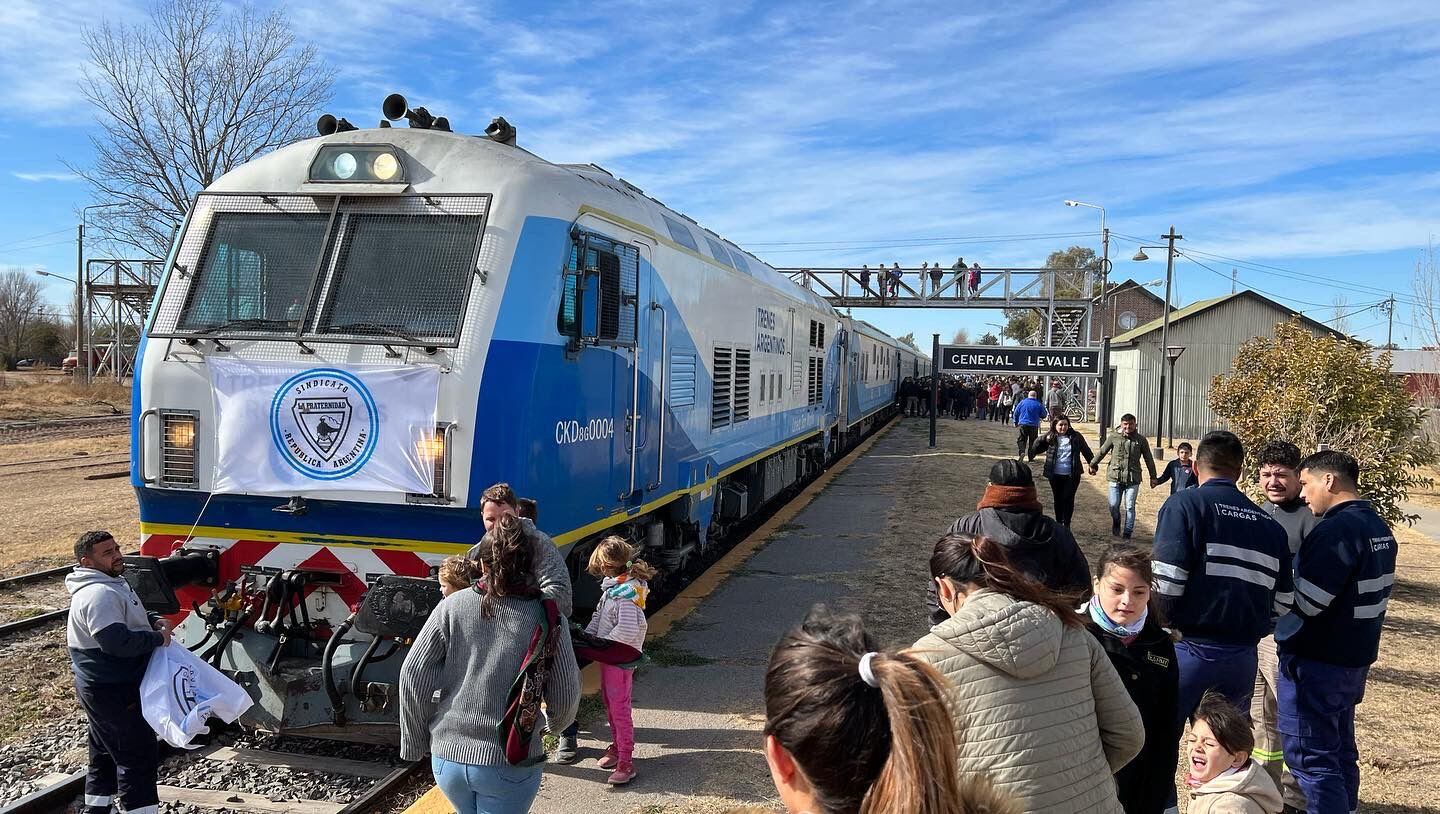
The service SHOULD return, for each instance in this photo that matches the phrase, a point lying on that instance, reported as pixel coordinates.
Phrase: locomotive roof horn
(501, 131)
(396, 108)
(329, 125)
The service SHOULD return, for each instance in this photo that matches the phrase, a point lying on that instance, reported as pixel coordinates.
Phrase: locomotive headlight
(430, 446)
(344, 166)
(358, 164)
(386, 166)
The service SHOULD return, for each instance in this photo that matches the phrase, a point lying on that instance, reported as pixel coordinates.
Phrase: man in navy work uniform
(1343, 578)
(1028, 414)
(1222, 571)
(110, 639)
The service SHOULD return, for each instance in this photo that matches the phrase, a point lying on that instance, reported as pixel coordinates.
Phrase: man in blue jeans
(1344, 574)
(1129, 448)
(1028, 415)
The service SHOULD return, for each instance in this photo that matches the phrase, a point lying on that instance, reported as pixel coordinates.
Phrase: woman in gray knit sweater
(456, 681)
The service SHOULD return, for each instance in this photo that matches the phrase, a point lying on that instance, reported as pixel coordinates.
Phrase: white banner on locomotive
(284, 428)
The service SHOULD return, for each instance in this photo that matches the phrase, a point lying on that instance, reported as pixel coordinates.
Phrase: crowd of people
(986, 399)
(885, 282)
(1042, 685)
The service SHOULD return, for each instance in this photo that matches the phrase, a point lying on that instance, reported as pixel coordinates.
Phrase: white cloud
(37, 177)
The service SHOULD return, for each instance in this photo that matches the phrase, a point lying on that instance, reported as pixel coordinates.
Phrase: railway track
(85, 426)
(59, 792)
(47, 465)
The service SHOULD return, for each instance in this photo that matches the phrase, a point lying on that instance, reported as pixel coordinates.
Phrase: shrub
(1313, 390)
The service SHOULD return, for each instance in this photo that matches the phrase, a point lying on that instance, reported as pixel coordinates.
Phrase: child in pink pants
(620, 617)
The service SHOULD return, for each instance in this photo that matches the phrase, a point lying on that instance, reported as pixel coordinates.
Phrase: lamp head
(1140, 256)
(1072, 203)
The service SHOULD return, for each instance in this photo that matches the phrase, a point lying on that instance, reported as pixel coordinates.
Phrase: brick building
(1130, 305)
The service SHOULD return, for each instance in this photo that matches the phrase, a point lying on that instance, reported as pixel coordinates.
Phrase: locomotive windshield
(393, 272)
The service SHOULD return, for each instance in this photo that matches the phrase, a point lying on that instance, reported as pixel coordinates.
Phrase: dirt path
(862, 545)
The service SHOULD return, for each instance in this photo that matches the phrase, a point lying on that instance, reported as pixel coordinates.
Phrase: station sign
(1041, 361)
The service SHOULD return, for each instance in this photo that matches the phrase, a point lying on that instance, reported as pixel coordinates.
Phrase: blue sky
(1300, 142)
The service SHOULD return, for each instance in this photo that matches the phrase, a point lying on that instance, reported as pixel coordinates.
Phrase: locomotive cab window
(402, 276)
(255, 273)
(599, 294)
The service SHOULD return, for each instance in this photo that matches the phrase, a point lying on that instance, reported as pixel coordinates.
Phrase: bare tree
(1425, 286)
(182, 99)
(1339, 318)
(20, 307)
(961, 337)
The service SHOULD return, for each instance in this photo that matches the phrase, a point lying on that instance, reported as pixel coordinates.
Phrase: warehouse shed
(1211, 331)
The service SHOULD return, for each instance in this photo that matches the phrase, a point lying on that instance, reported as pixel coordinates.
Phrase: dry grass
(45, 512)
(29, 396)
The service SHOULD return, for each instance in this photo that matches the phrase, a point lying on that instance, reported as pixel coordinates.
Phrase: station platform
(858, 540)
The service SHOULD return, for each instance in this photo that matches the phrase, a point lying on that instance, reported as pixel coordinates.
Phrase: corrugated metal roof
(1201, 306)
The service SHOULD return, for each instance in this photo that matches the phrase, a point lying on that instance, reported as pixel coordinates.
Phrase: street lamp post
(1104, 280)
(999, 331)
(1172, 353)
(79, 304)
(1169, 247)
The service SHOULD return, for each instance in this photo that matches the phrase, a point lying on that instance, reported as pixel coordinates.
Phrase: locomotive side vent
(742, 385)
(179, 463)
(720, 414)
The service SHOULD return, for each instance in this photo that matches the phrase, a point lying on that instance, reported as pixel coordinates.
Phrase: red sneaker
(624, 773)
(610, 759)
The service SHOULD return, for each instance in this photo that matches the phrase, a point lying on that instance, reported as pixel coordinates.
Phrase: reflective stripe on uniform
(1238, 553)
(1366, 586)
(1242, 572)
(1165, 586)
(1172, 572)
(98, 800)
(1319, 597)
(1371, 611)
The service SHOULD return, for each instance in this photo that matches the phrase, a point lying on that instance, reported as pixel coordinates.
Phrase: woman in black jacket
(1063, 447)
(1143, 653)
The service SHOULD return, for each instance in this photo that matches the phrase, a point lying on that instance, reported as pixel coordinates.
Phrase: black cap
(1009, 472)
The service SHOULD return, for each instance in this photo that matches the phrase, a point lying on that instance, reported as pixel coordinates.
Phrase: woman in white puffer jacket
(1037, 705)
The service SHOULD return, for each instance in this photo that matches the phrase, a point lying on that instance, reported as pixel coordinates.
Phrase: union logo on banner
(324, 423)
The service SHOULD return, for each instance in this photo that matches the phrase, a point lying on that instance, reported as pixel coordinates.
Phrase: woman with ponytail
(851, 730)
(472, 683)
(1036, 704)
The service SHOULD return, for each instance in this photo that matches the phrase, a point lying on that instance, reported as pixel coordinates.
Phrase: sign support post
(934, 386)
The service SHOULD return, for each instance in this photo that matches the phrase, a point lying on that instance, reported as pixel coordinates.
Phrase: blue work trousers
(124, 755)
(1228, 669)
(1315, 713)
(487, 789)
(1129, 491)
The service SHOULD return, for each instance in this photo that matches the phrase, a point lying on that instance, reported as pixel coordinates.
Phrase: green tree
(1322, 390)
(1072, 267)
(989, 339)
(909, 339)
(1022, 325)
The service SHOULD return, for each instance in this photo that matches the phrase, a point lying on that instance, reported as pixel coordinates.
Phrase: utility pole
(1389, 307)
(1170, 238)
(81, 357)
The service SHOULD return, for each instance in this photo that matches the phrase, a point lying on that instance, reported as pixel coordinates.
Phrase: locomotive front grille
(179, 463)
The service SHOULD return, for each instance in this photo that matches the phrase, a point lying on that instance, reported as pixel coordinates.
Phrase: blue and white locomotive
(630, 370)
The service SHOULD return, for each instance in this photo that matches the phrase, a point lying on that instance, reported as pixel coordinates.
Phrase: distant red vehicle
(68, 364)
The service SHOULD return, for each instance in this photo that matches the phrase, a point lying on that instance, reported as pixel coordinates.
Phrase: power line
(892, 240)
(1261, 290)
(1276, 271)
(16, 243)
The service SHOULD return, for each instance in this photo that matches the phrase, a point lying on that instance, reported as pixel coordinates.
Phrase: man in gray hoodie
(110, 639)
